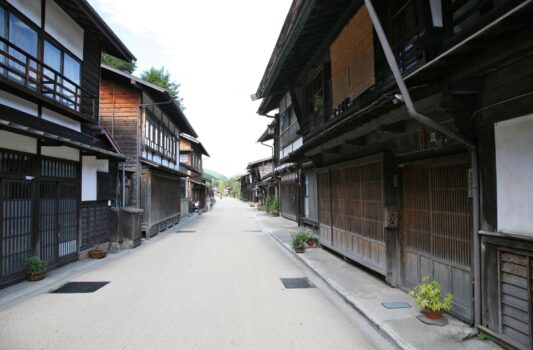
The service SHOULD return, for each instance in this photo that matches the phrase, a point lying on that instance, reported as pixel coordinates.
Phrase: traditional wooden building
(411, 116)
(146, 124)
(194, 185)
(55, 160)
(261, 172)
(247, 193)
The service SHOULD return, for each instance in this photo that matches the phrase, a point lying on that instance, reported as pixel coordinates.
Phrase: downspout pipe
(428, 122)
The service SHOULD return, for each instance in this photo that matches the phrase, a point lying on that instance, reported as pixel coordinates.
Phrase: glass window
(52, 58)
(25, 38)
(72, 68)
(3, 22)
(22, 35)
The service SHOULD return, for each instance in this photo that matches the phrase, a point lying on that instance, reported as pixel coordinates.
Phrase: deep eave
(88, 141)
(85, 15)
(310, 27)
(196, 142)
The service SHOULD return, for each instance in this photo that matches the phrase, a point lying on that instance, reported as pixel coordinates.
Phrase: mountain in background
(211, 174)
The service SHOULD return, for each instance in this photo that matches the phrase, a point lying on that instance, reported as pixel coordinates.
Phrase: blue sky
(218, 51)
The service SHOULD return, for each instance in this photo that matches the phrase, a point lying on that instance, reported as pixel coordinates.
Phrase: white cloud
(218, 51)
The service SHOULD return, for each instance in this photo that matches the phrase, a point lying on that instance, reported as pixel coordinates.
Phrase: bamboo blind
(352, 58)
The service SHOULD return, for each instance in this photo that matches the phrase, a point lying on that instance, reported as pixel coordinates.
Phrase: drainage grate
(252, 231)
(80, 287)
(296, 283)
(396, 305)
(185, 231)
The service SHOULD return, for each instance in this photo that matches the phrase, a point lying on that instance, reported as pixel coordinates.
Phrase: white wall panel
(62, 152)
(63, 28)
(89, 168)
(514, 169)
(18, 103)
(61, 120)
(16, 142)
(30, 8)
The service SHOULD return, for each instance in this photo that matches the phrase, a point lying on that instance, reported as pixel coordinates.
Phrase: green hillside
(211, 174)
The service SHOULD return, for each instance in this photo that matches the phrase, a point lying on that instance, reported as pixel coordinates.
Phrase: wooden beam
(394, 128)
(359, 141)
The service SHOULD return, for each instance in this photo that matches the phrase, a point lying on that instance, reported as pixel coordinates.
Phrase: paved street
(215, 288)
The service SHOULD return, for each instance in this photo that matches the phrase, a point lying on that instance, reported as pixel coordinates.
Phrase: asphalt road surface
(217, 287)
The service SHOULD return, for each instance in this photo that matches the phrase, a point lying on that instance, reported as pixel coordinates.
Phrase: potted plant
(275, 207)
(267, 204)
(429, 298)
(319, 102)
(35, 268)
(312, 240)
(299, 239)
(98, 252)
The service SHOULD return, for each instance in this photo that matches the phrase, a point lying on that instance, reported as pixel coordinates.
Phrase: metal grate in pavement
(185, 231)
(296, 283)
(396, 305)
(79, 287)
(252, 231)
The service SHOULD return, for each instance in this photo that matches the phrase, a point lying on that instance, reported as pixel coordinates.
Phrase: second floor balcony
(22, 72)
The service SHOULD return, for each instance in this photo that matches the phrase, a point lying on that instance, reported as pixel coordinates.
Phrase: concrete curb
(382, 329)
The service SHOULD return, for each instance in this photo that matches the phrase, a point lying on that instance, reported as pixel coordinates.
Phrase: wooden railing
(18, 66)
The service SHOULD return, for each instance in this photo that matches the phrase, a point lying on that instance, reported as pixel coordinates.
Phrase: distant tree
(220, 186)
(161, 77)
(128, 67)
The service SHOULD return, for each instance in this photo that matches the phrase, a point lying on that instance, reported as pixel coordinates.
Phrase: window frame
(161, 140)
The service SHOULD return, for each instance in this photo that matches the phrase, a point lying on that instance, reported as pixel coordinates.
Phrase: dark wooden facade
(146, 125)
(394, 194)
(55, 159)
(258, 183)
(191, 159)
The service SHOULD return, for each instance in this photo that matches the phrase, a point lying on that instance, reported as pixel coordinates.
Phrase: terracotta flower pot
(312, 243)
(433, 315)
(299, 250)
(97, 254)
(35, 276)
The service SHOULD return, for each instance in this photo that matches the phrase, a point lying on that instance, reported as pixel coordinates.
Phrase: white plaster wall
(514, 169)
(63, 28)
(89, 167)
(30, 8)
(18, 103)
(62, 152)
(61, 120)
(16, 142)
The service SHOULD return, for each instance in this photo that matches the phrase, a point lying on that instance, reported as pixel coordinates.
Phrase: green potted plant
(35, 268)
(319, 102)
(275, 207)
(299, 239)
(429, 298)
(267, 204)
